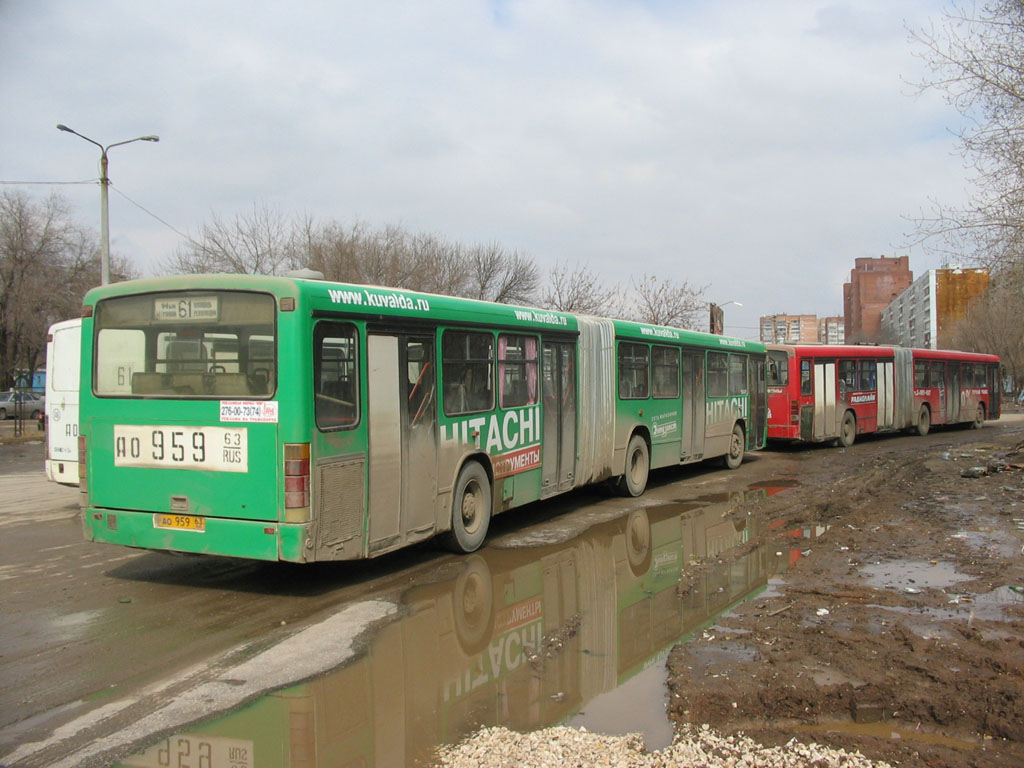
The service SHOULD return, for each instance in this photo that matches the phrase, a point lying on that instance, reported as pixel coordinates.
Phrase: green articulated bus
(283, 418)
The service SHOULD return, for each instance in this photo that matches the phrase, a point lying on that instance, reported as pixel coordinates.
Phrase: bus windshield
(189, 344)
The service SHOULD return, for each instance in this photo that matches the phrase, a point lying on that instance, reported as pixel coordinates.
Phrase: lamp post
(717, 316)
(104, 184)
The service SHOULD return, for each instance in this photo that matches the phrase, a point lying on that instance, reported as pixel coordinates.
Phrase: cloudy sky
(754, 147)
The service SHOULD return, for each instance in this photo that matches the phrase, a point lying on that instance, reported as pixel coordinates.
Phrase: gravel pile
(696, 748)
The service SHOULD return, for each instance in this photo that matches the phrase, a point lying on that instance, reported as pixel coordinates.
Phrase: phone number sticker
(258, 411)
(220, 449)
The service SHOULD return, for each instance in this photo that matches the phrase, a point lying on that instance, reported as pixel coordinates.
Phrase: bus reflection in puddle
(523, 638)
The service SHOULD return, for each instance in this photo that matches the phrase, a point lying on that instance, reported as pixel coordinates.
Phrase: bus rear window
(195, 344)
(777, 372)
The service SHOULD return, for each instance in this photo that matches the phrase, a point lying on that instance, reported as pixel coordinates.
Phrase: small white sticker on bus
(259, 411)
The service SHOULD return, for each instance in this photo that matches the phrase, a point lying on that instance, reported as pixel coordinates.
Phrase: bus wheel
(924, 421)
(734, 457)
(471, 509)
(979, 417)
(638, 466)
(848, 432)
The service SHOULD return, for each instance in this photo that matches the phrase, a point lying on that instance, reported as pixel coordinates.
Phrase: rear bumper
(779, 432)
(251, 539)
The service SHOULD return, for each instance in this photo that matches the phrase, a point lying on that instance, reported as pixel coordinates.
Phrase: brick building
(789, 329)
(831, 330)
(874, 283)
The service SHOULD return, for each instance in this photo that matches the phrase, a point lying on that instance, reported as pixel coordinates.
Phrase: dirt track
(901, 632)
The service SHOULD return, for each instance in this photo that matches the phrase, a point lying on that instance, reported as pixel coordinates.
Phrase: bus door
(886, 396)
(559, 436)
(693, 406)
(953, 401)
(402, 436)
(825, 400)
(758, 403)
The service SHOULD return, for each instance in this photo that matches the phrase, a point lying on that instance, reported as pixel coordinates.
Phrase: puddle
(925, 621)
(989, 540)
(636, 706)
(883, 730)
(754, 492)
(999, 600)
(911, 575)
(775, 485)
(525, 638)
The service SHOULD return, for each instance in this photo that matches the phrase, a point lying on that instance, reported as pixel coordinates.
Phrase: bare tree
(391, 257)
(259, 242)
(496, 274)
(47, 263)
(441, 266)
(992, 322)
(664, 302)
(332, 249)
(976, 59)
(579, 289)
(263, 241)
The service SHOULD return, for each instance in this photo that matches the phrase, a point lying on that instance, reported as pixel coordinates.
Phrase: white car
(27, 404)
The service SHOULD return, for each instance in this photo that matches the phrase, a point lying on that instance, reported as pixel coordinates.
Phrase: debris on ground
(561, 746)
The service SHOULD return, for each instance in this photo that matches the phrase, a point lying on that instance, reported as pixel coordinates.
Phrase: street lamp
(104, 184)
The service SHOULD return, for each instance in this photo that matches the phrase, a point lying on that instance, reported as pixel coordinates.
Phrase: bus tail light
(296, 482)
(794, 412)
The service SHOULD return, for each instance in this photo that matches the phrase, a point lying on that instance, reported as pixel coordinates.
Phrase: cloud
(756, 147)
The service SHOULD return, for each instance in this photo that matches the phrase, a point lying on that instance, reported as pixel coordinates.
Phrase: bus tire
(924, 421)
(737, 443)
(471, 509)
(848, 431)
(979, 417)
(638, 467)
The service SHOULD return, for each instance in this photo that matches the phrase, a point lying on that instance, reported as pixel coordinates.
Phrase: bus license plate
(180, 522)
(220, 449)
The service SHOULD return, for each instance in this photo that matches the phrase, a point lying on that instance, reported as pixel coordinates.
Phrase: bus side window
(634, 378)
(866, 378)
(665, 362)
(467, 372)
(920, 374)
(517, 370)
(737, 374)
(848, 375)
(938, 374)
(420, 382)
(806, 380)
(337, 390)
(718, 374)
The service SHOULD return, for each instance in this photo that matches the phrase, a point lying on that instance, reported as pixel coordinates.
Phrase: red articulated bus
(818, 393)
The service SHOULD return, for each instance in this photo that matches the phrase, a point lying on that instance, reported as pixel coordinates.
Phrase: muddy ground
(900, 633)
